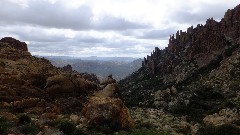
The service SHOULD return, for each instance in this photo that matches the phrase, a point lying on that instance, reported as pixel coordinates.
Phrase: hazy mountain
(93, 58)
(118, 67)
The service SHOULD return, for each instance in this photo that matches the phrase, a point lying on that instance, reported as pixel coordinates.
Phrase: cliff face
(198, 71)
(201, 44)
(23, 77)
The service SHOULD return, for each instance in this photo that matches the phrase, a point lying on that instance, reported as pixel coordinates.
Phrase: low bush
(106, 127)
(24, 119)
(78, 132)
(143, 132)
(226, 129)
(3, 125)
(65, 126)
(30, 129)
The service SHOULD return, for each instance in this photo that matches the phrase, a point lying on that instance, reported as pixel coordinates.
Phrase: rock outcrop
(16, 44)
(68, 68)
(110, 90)
(106, 110)
(109, 80)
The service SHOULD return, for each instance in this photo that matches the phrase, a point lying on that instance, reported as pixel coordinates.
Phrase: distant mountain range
(96, 58)
(119, 67)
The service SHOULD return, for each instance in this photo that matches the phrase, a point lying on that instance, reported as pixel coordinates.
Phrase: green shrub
(146, 125)
(143, 132)
(226, 129)
(229, 104)
(78, 132)
(106, 127)
(30, 129)
(237, 122)
(65, 126)
(3, 125)
(24, 119)
(205, 100)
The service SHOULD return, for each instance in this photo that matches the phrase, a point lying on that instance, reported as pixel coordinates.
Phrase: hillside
(196, 76)
(33, 86)
(102, 68)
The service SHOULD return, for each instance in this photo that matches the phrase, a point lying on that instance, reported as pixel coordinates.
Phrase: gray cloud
(35, 34)
(88, 39)
(43, 13)
(158, 34)
(57, 15)
(91, 40)
(73, 47)
(189, 16)
(109, 22)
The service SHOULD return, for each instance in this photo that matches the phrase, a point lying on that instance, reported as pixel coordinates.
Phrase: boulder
(108, 91)
(59, 84)
(100, 110)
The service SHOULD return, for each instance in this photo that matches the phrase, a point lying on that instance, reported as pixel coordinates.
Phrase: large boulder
(59, 84)
(102, 110)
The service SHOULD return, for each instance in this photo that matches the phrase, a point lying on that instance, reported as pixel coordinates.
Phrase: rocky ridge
(195, 76)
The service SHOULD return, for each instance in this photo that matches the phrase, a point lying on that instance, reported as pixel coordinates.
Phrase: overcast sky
(129, 28)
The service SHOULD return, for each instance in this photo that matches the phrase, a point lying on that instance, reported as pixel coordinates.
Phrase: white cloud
(103, 27)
